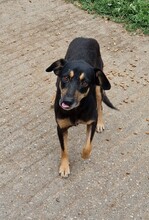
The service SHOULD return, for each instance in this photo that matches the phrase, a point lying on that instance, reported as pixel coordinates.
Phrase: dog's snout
(68, 100)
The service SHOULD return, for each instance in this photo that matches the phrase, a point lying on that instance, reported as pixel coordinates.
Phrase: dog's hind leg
(64, 169)
(89, 136)
(100, 125)
(52, 101)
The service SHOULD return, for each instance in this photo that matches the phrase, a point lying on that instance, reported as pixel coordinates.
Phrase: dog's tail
(106, 100)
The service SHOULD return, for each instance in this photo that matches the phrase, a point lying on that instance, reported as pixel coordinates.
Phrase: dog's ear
(57, 66)
(102, 79)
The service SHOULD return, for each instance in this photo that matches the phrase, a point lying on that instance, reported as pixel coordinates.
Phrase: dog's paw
(86, 153)
(100, 127)
(64, 169)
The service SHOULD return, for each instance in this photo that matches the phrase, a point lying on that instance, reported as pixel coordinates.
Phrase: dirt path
(114, 182)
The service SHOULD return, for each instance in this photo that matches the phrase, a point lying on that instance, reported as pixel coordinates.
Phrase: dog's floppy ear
(57, 66)
(102, 79)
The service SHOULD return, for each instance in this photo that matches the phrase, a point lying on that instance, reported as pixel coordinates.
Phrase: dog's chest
(67, 122)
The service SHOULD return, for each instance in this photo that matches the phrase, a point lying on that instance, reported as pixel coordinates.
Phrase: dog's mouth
(67, 106)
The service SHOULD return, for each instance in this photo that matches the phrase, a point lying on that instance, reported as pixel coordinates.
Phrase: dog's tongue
(64, 105)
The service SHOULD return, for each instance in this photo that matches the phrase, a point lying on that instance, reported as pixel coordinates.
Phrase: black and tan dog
(80, 92)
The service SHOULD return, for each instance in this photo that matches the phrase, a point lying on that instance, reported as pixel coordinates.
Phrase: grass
(133, 13)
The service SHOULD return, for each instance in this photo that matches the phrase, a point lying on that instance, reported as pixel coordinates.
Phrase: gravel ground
(114, 183)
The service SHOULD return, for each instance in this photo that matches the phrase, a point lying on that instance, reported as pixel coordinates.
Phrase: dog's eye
(84, 84)
(65, 79)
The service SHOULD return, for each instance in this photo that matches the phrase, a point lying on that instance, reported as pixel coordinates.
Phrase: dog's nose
(68, 101)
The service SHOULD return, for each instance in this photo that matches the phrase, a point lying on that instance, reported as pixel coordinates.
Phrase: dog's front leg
(64, 169)
(89, 136)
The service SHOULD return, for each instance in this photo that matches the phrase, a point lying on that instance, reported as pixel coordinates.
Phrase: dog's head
(76, 78)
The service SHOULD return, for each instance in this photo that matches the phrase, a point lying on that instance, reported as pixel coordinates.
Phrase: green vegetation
(133, 13)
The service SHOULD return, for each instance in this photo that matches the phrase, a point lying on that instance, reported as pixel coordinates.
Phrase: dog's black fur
(80, 91)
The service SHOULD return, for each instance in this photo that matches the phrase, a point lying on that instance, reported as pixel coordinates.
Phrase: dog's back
(86, 49)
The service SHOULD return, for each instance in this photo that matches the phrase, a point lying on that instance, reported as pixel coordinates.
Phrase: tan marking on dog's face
(71, 74)
(64, 123)
(82, 76)
(79, 96)
(63, 91)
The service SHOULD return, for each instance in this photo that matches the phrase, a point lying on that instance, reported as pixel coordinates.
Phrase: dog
(81, 85)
